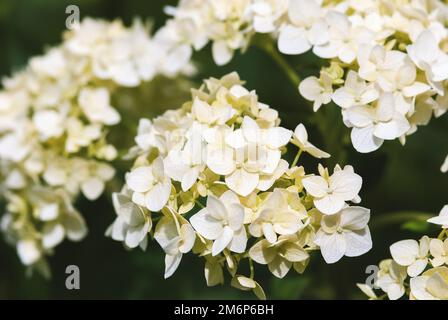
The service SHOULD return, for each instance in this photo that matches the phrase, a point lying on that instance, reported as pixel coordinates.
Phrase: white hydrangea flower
(257, 152)
(390, 279)
(330, 193)
(307, 27)
(280, 255)
(319, 91)
(374, 124)
(345, 233)
(300, 139)
(266, 13)
(96, 106)
(132, 224)
(150, 185)
(442, 218)
(411, 254)
(275, 216)
(355, 92)
(439, 251)
(432, 285)
(49, 124)
(176, 236)
(427, 55)
(223, 222)
(343, 38)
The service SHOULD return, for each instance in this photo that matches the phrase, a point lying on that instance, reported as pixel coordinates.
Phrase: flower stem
(251, 266)
(199, 204)
(296, 159)
(268, 46)
(442, 234)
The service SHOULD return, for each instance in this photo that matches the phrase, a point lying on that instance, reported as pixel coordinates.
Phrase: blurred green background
(398, 181)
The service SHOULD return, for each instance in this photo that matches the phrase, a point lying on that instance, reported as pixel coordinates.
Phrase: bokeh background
(402, 185)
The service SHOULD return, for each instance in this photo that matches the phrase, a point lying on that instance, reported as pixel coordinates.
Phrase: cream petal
(315, 186)
(358, 242)
(330, 204)
(139, 179)
(239, 241)
(332, 247)
(279, 267)
(293, 40)
(364, 141)
(222, 241)
(171, 264)
(92, 188)
(262, 252)
(404, 252)
(158, 196)
(242, 182)
(206, 225)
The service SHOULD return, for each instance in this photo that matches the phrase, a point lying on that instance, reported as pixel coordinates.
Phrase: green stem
(442, 234)
(296, 159)
(199, 204)
(268, 46)
(251, 266)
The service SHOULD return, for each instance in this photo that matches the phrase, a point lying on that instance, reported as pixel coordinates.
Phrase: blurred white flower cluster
(209, 178)
(425, 262)
(54, 118)
(389, 59)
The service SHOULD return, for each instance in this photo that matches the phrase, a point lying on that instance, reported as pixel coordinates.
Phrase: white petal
(158, 196)
(330, 204)
(416, 268)
(242, 182)
(222, 54)
(206, 225)
(310, 88)
(171, 264)
(278, 137)
(222, 241)
(364, 141)
(189, 179)
(345, 185)
(28, 252)
(279, 267)
(92, 188)
(293, 40)
(315, 186)
(332, 246)
(239, 241)
(216, 208)
(392, 129)
(404, 252)
(343, 98)
(262, 252)
(53, 234)
(355, 218)
(358, 242)
(268, 232)
(139, 179)
(188, 238)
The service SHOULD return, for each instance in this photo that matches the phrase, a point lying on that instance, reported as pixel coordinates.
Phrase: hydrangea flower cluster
(54, 119)
(418, 269)
(209, 178)
(388, 59)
